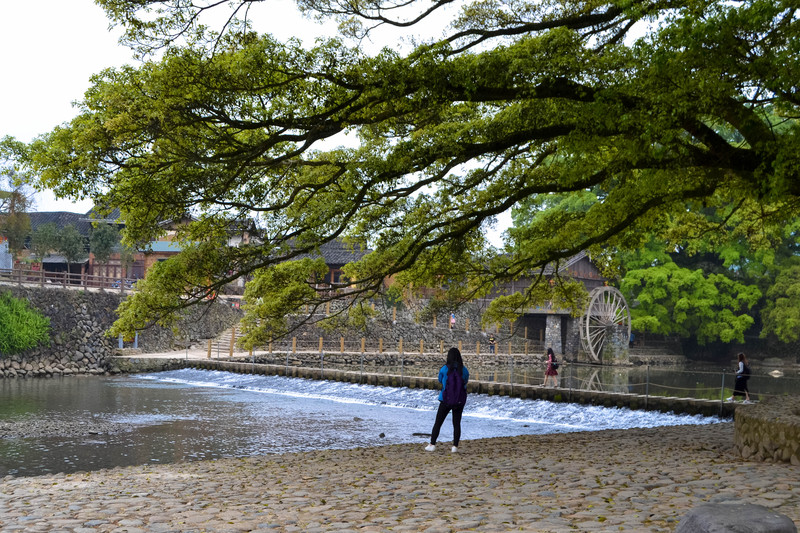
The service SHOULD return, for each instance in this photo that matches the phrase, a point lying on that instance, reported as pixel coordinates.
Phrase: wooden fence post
(441, 346)
(420, 347)
(363, 344)
(320, 345)
(294, 344)
(459, 346)
(341, 344)
(233, 341)
(394, 314)
(466, 325)
(380, 345)
(270, 345)
(400, 346)
(208, 355)
(478, 348)
(434, 321)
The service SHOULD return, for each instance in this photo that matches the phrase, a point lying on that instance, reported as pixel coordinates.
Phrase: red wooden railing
(29, 276)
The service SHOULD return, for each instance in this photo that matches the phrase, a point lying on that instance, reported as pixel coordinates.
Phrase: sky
(50, 50)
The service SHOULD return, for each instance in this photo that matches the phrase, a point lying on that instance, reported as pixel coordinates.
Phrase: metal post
(722, 394)
(119, 340)
(646, 385)
(511, 376)
(362, 365)
(233, 342)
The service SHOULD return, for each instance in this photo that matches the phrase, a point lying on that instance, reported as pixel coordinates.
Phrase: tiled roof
(111, 218)
(60, 259)
(338, 253)
(60, 219)
(564, 264)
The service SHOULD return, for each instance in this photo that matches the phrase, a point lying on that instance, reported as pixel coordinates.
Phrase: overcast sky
(50, 48)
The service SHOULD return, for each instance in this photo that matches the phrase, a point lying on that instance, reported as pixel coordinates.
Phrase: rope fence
(513, 368)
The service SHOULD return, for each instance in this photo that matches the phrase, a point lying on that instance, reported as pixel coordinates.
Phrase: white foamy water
(487, 414)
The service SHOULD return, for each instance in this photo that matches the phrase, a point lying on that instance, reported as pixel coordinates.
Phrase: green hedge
(21, 327)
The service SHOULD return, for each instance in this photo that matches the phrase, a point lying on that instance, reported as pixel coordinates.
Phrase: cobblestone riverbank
(629, 480)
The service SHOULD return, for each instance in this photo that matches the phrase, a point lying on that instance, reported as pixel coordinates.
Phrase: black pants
(740, 386)
(441, 414)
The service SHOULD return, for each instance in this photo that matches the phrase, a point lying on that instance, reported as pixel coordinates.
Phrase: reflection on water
(86, 423)
(695, 380)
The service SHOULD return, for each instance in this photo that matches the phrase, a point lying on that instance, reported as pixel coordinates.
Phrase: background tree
(15, 223)
(72, 245)
(518, 100)
(103, 240)
(44, 240)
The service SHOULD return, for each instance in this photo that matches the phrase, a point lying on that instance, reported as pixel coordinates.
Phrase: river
(71, 424)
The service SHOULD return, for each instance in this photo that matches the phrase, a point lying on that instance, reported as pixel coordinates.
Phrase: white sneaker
(747, 401)
(454, 449)
(729, 399)
(430, 448)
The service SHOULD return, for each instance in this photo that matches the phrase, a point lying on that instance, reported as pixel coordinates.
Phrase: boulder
(735, 518)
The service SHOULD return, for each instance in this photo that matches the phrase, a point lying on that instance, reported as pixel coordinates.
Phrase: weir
(664, 404)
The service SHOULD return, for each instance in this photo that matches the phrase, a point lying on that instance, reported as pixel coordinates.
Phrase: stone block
(734, 518)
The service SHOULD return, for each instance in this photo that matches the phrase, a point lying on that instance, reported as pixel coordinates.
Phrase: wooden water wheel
(607, 308)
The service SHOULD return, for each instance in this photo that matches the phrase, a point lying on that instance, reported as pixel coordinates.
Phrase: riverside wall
(769, 430)
(79, 320)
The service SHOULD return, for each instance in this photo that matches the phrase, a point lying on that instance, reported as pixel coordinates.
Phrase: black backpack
(554, 363)
(746, 372)
(454, 391)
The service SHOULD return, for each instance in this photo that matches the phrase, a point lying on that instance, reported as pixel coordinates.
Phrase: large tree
(519, 100)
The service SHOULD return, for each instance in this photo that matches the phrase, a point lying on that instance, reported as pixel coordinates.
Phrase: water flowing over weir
(189, 414)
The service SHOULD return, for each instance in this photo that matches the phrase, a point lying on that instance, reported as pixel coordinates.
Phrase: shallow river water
(85, 423)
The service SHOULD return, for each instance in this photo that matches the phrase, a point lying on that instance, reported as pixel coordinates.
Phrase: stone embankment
(79, 321)
(770, 430)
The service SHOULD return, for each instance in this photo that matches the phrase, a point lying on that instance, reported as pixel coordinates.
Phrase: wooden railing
(42, 278)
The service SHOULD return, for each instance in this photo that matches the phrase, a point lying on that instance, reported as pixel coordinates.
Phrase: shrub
(21, 327)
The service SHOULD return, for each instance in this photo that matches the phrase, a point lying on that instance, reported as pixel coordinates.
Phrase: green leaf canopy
(660, 105)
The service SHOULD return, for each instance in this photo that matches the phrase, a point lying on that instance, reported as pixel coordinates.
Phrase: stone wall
(769, 430)
(78, 324)
(391, 326)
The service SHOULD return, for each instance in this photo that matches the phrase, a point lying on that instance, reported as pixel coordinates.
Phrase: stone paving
(617, 480)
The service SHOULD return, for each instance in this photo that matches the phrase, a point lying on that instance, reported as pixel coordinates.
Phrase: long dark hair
(454, 360)
(551, 354)
(742, 358)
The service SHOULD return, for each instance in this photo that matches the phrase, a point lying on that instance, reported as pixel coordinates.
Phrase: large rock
(735, 518)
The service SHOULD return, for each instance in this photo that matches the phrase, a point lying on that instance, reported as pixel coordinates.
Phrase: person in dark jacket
(742, 375)
(454, 364)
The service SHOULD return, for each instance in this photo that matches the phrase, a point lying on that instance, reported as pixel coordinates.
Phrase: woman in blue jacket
(452, 399)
